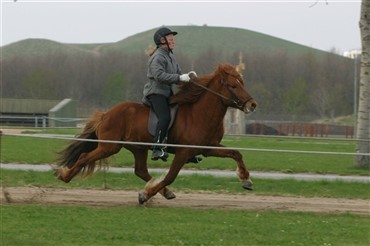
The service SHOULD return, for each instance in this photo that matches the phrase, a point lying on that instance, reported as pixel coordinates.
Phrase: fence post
(262, 130)
(44, 121)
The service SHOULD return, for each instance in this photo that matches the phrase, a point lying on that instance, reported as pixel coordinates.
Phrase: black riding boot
(159, 152)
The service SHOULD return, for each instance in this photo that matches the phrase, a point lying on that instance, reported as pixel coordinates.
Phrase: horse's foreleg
(155, 186)
(141, 170)
(242, 171)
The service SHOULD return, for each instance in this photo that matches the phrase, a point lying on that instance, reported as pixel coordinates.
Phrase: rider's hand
(185, 77)
(192, 73)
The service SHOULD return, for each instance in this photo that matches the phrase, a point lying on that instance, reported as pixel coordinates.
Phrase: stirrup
(195, 159)
(159, 154)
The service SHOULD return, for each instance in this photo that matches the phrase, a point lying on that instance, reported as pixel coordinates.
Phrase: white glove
(193, 72)
(185, 77)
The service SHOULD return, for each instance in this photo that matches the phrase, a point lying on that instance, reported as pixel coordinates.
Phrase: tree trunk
(363, 117)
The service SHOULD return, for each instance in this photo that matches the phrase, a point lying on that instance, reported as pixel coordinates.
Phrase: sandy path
(122, 198)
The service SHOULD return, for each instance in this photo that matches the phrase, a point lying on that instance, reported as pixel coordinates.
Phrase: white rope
(184, 146)
(299, 137)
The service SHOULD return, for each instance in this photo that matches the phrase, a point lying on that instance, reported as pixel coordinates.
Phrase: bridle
(234, 99)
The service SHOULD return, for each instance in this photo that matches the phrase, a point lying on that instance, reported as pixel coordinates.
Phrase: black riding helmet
(161, 33)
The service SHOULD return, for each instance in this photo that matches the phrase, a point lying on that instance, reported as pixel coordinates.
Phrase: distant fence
(39, 121)
(26, 121)
(278, 128)
(298, 129)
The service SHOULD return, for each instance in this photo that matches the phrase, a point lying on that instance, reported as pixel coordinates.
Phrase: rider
(164, 74)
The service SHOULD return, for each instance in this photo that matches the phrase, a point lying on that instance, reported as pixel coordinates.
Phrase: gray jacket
(163, 74)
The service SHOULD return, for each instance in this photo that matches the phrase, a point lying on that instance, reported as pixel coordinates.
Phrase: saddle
(153, 119)
(152, 124)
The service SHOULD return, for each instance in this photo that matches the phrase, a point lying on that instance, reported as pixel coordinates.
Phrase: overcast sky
(321, 24)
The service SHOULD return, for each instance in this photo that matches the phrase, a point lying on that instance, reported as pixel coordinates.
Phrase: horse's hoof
(169, 195)
(58, 175)
(142, 198)
(61, 174)
(247, 184)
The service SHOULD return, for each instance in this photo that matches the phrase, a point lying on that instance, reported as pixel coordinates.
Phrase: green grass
(187, 183)
(36, 150)
(36, 224)
(73, 225)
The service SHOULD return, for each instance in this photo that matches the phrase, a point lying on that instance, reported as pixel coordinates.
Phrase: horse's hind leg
(88, 160)
(141, 170)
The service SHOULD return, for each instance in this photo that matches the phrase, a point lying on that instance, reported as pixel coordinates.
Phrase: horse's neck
(211, 107)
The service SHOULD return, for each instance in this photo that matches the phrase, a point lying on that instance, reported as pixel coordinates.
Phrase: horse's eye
(233, 86)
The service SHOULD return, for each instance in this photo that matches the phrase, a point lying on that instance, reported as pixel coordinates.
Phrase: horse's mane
(191, 92)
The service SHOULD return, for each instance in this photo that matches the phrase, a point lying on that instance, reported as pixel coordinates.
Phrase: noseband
(234, 99)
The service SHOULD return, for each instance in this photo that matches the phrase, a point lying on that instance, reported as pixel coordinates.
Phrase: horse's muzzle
(250, 106)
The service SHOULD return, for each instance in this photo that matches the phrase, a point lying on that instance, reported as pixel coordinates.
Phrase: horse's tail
(69, 156)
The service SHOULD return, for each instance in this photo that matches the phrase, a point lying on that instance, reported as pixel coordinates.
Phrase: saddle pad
(153, 119)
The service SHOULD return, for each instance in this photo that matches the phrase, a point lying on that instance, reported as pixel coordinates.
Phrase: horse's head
(233, 91)
(225, 82)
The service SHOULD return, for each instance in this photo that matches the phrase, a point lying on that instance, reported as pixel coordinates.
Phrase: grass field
(37, 224)
(37, 150)
(72, 225)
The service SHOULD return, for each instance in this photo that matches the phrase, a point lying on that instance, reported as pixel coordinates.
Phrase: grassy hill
(43, 47)
(103, 74)
(192, 41)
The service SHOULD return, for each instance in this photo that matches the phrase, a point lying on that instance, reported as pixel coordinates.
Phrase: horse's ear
(239, 68)
(221, 68)
(225, 68)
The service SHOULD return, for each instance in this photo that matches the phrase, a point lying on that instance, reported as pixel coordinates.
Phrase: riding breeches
(161, 108)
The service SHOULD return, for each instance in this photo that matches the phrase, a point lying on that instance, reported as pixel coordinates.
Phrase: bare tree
(363, 118)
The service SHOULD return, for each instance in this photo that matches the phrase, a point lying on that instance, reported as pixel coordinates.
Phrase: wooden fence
(299, 129)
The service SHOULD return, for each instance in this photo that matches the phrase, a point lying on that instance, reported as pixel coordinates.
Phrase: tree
(39, 84)
(363, 117)
(113, 90)
(295, 98)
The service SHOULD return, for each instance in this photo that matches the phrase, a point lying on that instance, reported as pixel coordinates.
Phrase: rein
(212, 91)
(234, 100)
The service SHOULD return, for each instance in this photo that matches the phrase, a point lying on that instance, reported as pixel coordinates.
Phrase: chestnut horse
(199, 121)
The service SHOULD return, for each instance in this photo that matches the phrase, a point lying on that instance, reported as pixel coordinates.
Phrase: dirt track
(107, 198)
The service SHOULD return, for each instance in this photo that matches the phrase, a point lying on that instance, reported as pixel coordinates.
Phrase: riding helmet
(161, 33)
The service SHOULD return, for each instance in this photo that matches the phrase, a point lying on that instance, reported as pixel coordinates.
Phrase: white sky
(315, 23)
